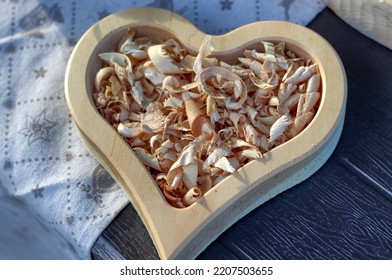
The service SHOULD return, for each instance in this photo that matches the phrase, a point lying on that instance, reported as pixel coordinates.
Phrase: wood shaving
(194, 120)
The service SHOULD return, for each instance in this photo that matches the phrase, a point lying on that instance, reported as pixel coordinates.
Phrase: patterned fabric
(49, 184)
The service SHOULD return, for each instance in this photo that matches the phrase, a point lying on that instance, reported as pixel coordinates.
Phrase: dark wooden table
(343, 211)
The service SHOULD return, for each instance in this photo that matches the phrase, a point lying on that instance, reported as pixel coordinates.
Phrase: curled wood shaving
(194, 120)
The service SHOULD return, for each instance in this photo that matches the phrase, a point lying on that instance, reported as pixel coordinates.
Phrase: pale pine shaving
(194, 120)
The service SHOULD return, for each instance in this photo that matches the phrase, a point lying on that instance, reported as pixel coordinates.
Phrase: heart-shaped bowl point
(184, 233)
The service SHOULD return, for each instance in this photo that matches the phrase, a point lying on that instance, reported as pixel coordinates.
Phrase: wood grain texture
(333, 215)
(358, 173)
(184, 233)
(367, 136)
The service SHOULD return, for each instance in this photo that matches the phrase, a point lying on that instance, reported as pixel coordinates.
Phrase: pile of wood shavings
(194, 120)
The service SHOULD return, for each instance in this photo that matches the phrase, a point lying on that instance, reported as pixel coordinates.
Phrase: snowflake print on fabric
(7, 165)
(163, 4)
(102, 183)
(102, 14)
(38, 192)
(39, 17)
(8, 104)
(286, 5)
(37, 128)
(226, 5)
(40, 73)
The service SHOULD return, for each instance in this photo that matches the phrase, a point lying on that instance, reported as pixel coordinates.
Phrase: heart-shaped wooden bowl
(184, 233)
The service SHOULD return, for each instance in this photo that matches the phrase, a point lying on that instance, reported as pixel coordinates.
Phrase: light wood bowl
(184, 233)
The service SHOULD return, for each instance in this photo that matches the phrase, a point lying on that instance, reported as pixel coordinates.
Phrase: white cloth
(47, 176)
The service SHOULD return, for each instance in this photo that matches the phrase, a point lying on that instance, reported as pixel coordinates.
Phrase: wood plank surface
(367, 135)
(344, 211)
(333, 215)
